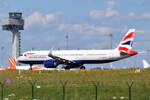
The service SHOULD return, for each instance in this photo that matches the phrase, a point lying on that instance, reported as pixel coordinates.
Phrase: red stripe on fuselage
(29, 53)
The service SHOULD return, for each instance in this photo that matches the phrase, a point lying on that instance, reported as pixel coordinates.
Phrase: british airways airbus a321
(77, 58)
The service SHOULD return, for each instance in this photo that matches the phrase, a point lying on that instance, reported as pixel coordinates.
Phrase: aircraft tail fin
(145, 64)
(126, 43)
(12, 63)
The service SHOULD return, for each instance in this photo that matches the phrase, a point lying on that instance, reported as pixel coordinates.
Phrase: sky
(88, 23)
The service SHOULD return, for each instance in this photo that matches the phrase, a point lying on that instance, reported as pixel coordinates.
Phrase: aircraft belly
(95, 61)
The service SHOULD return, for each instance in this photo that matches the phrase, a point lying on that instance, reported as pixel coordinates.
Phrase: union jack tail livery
(126, 43)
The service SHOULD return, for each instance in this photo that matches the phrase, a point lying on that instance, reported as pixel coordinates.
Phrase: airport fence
(77, 90)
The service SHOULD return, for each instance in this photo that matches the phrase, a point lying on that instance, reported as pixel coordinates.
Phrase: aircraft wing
(59, 59)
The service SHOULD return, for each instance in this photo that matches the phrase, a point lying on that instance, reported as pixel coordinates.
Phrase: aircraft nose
(20, 58)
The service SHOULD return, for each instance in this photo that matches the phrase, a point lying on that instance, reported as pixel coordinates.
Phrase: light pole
(67, 37)
(111, 46)
(111, 40)
(32, 48)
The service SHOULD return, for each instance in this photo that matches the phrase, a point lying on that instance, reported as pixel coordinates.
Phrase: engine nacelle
(50, 64)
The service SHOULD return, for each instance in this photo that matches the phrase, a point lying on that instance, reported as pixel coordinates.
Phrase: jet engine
(50, 64)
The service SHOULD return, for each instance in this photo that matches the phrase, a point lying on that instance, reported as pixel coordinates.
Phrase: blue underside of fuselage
(93, 61)
(77, 62)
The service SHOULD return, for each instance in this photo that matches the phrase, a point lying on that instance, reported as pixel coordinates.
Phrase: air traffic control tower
(14, 24)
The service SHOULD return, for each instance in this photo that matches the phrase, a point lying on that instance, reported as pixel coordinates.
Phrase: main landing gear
(82, 67)
(75, 67)
(31, 66)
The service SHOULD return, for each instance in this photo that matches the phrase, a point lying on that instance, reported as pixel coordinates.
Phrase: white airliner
(77, 58)
(145, 64)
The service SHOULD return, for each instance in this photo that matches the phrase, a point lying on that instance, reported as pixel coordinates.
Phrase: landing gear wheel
(67, 68)
(82, 67)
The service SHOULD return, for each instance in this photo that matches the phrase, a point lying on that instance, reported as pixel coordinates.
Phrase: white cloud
(131, 14)
(141, 16)
(108, 12)
(79, 27)
(63, 27)
(146, 15)
(85, 29)
(97, 14)
(103, 29)
(137, 16)
(111, 13)
(111, 4)
(38, 19)
(51, 38)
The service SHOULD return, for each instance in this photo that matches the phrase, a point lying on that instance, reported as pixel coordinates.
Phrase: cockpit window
(25, 55)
